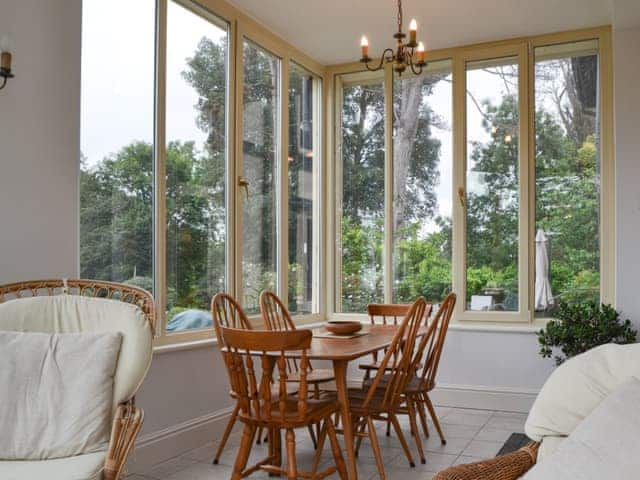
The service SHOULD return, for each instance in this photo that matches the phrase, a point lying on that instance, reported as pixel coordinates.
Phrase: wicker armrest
(126, 425)
(504, 467)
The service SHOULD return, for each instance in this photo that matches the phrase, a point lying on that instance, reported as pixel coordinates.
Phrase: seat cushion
(74, 313)
(80, 467)
(604, 445)
(576, 388)
(59, 394)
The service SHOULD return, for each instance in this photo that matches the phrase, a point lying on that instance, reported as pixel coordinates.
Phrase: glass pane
(303, 158)
(362, 222)
(261, 118)
(567, 245)
(116, 168)
(422, 179)
(196, 166)
(492, 185)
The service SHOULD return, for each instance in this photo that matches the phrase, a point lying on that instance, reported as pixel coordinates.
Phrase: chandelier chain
(399, 16)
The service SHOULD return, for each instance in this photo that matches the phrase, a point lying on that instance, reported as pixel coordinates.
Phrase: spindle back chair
(286, 410)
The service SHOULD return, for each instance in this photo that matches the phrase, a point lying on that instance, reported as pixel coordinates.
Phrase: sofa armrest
(126, 425)
(505, 467)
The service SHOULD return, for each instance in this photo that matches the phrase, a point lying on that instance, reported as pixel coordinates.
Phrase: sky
(118, 74)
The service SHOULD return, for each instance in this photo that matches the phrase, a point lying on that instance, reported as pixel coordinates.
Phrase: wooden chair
(226, 312)
(424, 367)
(429, 352)
(386, 314)
(260, 408)
(276, 317)
(378, 402)
(63, 298)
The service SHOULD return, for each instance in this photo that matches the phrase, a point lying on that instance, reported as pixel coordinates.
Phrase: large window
(489, 175)
(261, 159)
(303, 172)
(117, 158)
(195, 163)
(567, 174)
(492, 199)
(362, 199)
(422, 181)
(173, 198)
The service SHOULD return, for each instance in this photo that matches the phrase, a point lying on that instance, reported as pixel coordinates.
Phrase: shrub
(578, 327)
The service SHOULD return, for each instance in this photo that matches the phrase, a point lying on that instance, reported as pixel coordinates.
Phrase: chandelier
(403, 55)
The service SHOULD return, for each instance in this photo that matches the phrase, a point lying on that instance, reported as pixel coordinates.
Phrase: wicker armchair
(128, 417)
(505, 467)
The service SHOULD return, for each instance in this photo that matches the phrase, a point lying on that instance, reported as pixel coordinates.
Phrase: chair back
(432, 344)
(227, 312)
(398, 358)
(387, 313)
(255, 397)
(275, 314)
(76, 306)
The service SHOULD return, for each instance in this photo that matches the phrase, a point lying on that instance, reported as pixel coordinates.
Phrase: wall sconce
(5, 59)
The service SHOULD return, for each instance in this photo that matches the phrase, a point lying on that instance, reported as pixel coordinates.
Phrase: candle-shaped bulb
(420, 52)
(5, 52)
(413, 30)
(364, 43)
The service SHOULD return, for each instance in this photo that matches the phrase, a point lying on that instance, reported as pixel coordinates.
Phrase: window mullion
(282, 186)
(387, 250)
(160, 224)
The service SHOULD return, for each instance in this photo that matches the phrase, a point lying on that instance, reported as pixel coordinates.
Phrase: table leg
(340, 370)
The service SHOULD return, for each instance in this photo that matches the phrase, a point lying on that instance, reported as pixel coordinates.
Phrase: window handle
(243, 183)
(462, 197)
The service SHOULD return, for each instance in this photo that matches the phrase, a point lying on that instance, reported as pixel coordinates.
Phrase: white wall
(39, 140)
(185, 395)
(627, 117)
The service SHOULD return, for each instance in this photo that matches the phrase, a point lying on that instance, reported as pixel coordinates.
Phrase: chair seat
(376, 366)
(80, 467)
(314, 376)
(357, 398)
(416, 385)
(316, 409)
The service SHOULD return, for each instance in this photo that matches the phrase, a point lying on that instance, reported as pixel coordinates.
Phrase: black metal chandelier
(403, 54)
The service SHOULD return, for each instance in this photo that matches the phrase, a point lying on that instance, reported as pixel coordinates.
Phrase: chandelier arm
(387, 55)
(4, 83)
(411, 65)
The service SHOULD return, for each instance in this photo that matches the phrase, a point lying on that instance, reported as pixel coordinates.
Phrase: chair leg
(243, 452)
(359, 425)
(414, 428)
(388, 428)
(227, 432)
(335, 447)
(319, 448)
(292, 468)
(419, 403)
(376, 447)
(434, 417)
(259, 440)
(403, 441)
(312, 434)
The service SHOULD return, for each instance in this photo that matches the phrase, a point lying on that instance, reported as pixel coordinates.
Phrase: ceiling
(329, 30)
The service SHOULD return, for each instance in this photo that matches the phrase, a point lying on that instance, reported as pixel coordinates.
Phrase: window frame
(524, 49)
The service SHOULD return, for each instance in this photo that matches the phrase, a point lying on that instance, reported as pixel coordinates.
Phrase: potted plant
(578, 327)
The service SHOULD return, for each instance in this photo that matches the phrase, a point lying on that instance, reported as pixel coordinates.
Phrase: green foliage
(579, 327)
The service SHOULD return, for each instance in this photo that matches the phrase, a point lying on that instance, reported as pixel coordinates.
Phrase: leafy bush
(579, 327)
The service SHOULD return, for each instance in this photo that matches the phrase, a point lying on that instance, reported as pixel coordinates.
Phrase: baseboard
(161, 445)
(156, 447)
(484, 397)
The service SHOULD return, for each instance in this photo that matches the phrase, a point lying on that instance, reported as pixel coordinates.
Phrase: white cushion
(576, 387)
(80, 467)
(73, 313)
(604, 445)
(59, 393)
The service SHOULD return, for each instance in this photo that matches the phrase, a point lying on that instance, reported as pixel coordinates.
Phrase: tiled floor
(471, 435)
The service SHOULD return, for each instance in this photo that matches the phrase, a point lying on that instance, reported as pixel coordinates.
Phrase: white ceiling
(330, 30)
